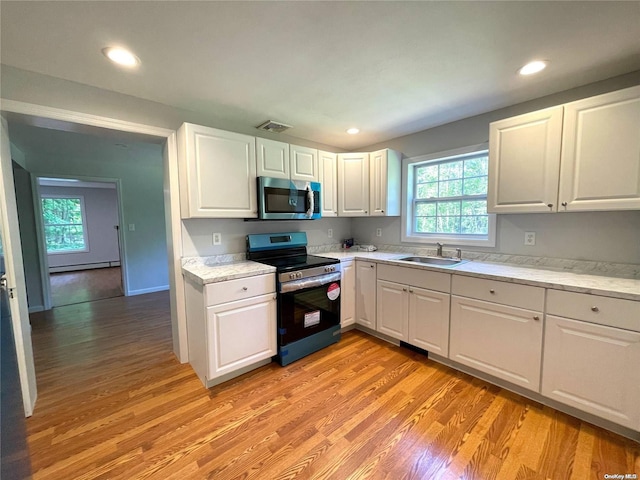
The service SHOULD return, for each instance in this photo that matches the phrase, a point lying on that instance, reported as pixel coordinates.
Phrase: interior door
(14, 276)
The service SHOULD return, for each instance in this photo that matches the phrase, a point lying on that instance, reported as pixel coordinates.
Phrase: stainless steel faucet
(459, 253)
(439, 251)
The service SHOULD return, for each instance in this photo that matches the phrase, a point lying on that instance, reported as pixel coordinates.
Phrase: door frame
(51, 116)
(42, 250)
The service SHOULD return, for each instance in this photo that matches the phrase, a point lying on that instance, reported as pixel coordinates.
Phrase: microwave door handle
(310, 201)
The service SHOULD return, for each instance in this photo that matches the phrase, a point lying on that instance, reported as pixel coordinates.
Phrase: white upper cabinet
(369, 184)
(217, 173)
(353, 184)
(384, 187)
(582, 156)
(600, 167)
(272, 158)
(328, 170)
(304, 163)
(524, 159)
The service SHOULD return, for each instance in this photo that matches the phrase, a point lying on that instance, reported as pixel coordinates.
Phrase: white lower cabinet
(231, 326)
(241, 333)
(348, 293)
(589, 363)
(393, 310)
(502, 337)
(412, 313)
(366, 293)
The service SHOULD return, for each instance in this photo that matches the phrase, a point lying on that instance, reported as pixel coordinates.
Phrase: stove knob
(292, 275)
(333, 268)
(299, 274)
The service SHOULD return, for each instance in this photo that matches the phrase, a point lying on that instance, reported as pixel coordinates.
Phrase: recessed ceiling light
(353, 131)
(533, 67)
(121, 56)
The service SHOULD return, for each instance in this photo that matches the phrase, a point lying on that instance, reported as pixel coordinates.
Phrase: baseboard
(142, 291)
(85, 266)
(37, 308)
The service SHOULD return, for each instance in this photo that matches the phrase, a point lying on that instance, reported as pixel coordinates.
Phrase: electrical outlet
(132, 227)
(378, 232)
(530, 238)
(217, 238)
(330, 233)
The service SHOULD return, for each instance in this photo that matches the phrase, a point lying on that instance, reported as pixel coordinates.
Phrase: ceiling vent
(275, 127)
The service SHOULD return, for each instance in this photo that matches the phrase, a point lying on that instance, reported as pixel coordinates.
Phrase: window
(446, 199)
(64, 224)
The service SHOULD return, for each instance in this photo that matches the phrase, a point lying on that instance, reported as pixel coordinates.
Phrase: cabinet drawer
(239, 289)
(613, 312)
(417, 277)
(522, 296)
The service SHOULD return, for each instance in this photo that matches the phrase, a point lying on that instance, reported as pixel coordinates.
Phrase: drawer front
(521, 296)
(416, 277)
(239, 289)
(612, 312)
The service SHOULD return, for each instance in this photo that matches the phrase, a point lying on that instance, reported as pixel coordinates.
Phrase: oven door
(308, 306)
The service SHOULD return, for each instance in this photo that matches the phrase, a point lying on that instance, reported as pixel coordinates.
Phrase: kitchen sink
(439, 261)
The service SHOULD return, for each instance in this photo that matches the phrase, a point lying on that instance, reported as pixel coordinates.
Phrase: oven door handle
(312, 282)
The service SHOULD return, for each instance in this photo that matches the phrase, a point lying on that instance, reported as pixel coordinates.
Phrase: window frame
(85, 233)
(408, 191)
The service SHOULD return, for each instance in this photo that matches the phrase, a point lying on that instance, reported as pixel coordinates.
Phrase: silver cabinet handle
(404, 289)
(492, 291)
(536, 317)
(595, 309)
(411, 290)
(371, 266)
(550, 205)
(245, 288)
(564, 204)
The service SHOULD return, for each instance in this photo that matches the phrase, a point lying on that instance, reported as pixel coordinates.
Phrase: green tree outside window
(64, 228)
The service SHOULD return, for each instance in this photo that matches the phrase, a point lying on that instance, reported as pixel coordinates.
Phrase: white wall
(101, 215)
(198, 233)
(603, 236)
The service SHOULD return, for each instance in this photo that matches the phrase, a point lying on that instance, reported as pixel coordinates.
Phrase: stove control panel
(330, 268)
(295, 275)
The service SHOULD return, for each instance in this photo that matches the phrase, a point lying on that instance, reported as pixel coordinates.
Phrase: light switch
(132, 227)
(217, 238)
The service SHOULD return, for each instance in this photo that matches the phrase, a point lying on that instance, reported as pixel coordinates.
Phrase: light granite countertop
(626, 288)
(210, 270)
(203, 274)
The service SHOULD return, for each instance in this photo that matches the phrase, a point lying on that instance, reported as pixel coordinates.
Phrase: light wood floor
(115, 403)
(68, 288)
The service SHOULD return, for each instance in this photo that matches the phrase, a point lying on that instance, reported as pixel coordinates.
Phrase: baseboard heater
(84, 266)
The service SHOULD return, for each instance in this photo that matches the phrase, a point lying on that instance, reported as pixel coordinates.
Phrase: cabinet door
(353, 184)
(429, 320)
(384, 183)
(366, 294)
(593, 368)
(329, 181)
(241, 333)
(348, 294)
(217, 173)
(524, 162)
(600, 167)
(503, 341)
(272, 158)
(304, 163)
(393, 308)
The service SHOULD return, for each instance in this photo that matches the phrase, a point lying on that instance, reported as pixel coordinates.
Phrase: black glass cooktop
(298, 262)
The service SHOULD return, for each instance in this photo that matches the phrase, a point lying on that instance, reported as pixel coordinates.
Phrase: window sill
(450, 240)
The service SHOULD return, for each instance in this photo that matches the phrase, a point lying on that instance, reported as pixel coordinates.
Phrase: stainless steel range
(308, 293)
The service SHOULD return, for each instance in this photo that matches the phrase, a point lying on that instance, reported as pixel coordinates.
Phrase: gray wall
(28, 239)
(101, 214)
(604, 236)
(140, 170)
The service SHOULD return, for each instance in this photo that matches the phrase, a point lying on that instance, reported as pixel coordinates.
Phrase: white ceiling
(390, 68)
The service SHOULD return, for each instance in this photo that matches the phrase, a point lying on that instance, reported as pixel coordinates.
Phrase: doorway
(81, 225)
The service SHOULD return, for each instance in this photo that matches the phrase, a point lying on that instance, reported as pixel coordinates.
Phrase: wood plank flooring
(68, 288)
(115, 403)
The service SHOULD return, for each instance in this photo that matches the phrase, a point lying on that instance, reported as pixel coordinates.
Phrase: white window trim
(84, 225)
(407, 204)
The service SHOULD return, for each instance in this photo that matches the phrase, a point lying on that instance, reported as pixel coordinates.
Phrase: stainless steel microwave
(282, 199)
